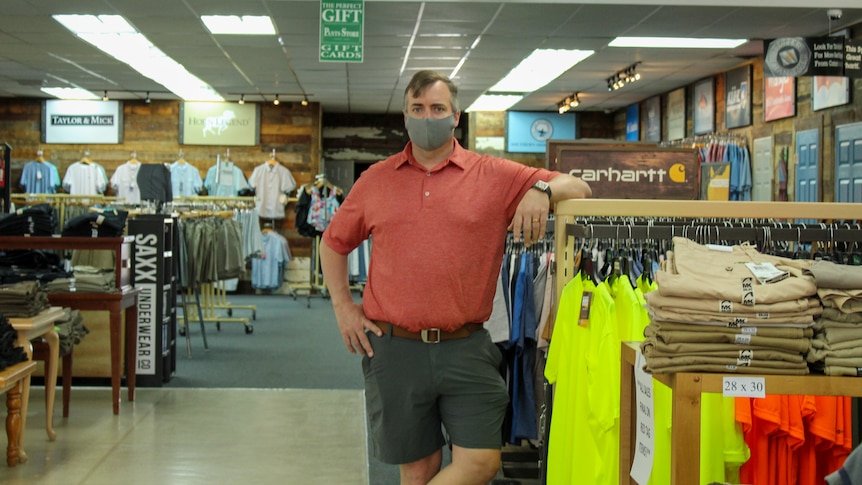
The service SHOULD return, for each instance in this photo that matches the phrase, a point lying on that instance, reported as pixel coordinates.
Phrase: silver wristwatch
(543, 186)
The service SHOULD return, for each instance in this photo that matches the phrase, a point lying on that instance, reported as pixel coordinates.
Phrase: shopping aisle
(198, 436)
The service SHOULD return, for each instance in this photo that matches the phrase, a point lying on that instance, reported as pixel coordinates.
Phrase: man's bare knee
(421, 471)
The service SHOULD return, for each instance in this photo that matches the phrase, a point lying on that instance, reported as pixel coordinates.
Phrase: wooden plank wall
(783, 131)
(152, 132)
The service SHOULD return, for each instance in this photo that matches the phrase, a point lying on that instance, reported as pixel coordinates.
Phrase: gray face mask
(430, 133)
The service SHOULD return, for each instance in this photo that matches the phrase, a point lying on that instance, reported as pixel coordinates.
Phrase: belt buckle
(427, 333)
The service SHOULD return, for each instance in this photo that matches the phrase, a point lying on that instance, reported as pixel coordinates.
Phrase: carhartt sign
(341, 31)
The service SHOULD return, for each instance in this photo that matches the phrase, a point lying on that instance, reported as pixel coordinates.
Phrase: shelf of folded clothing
(122, 302)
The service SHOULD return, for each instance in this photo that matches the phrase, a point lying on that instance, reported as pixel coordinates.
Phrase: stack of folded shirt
(84, 279)
(10, 354)
(30, 264)
(710, 313)
(36, 220)
(23, 300)
(837, 345)
(108, 223)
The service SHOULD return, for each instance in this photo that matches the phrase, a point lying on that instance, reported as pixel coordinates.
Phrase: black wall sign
(812, 56)
(852, 58)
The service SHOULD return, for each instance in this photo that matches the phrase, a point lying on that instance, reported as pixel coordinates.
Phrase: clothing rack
(61, 201)
(702, 140)
(316, 284)
(212, 296)
(685, 439)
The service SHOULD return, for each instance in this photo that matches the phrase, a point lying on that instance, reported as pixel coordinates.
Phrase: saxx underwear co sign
(341, 30)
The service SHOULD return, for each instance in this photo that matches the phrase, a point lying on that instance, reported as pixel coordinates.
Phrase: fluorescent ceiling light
(538, 69)
(236, 25)
(70, 93)
(495, 102)
(677, 42)
(115, 36)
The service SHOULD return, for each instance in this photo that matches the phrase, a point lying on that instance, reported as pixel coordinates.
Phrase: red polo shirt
(437, 236)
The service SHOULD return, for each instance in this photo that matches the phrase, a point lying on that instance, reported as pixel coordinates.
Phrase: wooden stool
(42, 352)
(15, 383)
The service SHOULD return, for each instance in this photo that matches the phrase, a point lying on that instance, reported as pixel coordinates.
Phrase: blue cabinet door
(848, 163)
(807, 169)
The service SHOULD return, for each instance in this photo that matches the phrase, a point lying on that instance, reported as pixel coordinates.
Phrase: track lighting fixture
(569, 103)
(148, 98)
(257, 97)
(623, 77)
(105, 96)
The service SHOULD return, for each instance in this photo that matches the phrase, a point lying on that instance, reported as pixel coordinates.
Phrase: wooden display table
(15, 383)
(687, 388)
(42, 325)
(116, 304)
(123, 301)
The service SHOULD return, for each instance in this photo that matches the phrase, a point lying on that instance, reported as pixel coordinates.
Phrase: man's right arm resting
(349, 315)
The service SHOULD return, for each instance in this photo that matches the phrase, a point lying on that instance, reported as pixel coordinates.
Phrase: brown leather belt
(429, 335)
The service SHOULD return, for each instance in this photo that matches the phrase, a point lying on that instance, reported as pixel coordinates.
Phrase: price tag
(743, 387)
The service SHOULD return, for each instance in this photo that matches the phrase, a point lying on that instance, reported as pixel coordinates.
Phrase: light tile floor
(196, 436)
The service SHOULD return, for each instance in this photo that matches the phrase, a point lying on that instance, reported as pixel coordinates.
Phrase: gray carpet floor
(295, 344)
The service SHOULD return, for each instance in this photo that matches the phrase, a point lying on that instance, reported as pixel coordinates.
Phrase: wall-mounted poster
(779, 97)
(829, 91)
(676, 114)
(633, 123)
(529, 131)
(715, 181)
(737, 97)
(204, 123)
(82, 121)
(703, 100)
(652, 119)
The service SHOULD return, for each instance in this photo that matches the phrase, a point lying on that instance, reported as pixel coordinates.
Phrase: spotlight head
(241, 99)
(105, 96)
(304, 101)
(148, 98)
(276, 101)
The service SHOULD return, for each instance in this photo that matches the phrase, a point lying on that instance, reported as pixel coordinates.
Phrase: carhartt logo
(614, 175)
(677, 173)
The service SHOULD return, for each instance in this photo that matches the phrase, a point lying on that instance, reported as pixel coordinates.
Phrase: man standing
(437, 215)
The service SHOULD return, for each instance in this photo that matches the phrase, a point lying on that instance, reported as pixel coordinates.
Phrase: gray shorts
(412, 388)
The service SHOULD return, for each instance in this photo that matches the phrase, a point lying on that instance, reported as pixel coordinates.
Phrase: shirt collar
(459, 156)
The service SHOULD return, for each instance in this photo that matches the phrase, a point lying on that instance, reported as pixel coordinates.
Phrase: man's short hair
(424, 79)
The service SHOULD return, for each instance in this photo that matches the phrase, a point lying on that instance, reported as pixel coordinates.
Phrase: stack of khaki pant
(837, 345)
(710, 314)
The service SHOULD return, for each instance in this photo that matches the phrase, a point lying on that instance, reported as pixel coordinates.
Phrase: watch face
(542, 129)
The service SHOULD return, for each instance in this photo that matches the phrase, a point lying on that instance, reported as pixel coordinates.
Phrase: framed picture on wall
(737, 97)
(676, 114)
(652, 119)
(779, 97)
(829, 91)
(703, 100)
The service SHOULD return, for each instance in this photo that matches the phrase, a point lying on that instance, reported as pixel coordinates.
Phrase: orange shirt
(437, 236)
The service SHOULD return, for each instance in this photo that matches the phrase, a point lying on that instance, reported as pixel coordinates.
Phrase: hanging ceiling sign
(811, 56)
(342, 31)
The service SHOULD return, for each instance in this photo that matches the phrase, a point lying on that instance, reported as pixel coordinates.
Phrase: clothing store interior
(163, 313)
